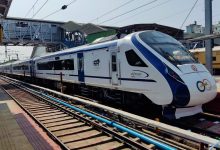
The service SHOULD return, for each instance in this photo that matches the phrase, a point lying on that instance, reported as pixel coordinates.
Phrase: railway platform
(18, 130)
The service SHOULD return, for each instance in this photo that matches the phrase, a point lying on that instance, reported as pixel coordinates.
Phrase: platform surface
(18, 131)
(11, 135)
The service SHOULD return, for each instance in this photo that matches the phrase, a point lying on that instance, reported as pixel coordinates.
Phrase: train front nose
(201, 84)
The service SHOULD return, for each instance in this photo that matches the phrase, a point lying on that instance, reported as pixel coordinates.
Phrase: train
(199, 54)
(147, 68)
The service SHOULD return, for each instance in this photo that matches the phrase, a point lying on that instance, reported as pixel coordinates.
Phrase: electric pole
(208, 31)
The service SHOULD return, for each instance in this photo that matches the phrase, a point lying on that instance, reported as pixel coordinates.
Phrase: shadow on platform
(36, 140)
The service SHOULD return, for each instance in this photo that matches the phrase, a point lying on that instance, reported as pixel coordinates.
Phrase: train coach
(199, 54)
(146, 67)
(6, 68)
(21, 68)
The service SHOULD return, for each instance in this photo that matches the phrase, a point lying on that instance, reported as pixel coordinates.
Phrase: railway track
(204, 123)
(75, 130)
(71, 129)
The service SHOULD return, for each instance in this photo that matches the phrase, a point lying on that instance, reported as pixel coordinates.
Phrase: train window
(57, 65)
(41, 66)
(50, 65)
(168, 47)
(24, 67)
(81, 64)
(114, 63)
(68, 64)
(45, 66)
(133, 59)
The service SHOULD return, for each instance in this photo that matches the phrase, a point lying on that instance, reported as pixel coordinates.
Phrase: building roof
(71, 26)
(4, 7)
(91, 28)
(177, 33)
(35, 20)
(88, 28)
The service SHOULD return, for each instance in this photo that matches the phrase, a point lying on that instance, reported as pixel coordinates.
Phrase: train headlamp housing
(173, 74)
(181, 95)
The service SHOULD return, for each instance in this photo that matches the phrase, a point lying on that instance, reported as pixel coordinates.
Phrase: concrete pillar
(208, 30)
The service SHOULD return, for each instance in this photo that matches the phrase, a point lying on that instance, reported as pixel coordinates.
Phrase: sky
(165, 12)
(169, 12)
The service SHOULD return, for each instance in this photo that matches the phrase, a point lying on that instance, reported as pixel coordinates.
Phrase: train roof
(15, 62)
(80, 48)
(88, 47)
(21, 61)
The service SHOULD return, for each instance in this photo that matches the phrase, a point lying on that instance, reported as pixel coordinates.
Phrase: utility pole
(208, 31)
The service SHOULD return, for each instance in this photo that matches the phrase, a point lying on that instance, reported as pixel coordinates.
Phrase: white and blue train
(143, 66)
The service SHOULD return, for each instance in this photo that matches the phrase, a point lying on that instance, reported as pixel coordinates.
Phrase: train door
(80, 59)
(32, 71)
(114, 68)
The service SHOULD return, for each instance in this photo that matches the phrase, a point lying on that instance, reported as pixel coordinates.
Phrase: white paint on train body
(148, 62)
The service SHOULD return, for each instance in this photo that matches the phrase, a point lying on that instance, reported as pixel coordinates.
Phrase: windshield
(168, 47)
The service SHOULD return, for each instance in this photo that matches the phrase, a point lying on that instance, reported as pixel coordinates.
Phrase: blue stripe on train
(181, 95)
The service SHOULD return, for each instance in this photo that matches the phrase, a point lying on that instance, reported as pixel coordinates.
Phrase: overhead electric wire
(110, 11)
(188, 14)
(73, 1)
(129, 11)
(40, 8)
(58, 10)
(160, 4)
(52, 13)
(31, 8)
(173, 14)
